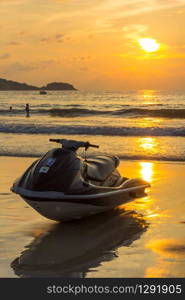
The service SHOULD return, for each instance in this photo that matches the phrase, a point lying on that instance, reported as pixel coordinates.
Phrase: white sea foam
(92, 130)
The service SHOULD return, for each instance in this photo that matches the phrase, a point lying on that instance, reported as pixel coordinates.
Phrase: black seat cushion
(100, 167)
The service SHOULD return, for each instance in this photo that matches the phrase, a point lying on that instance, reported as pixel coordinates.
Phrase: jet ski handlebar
(72, 144)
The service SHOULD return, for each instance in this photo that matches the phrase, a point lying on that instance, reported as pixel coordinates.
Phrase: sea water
(144, 238)
(145, 124)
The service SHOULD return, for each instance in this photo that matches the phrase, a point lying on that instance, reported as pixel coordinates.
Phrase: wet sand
(145, 238)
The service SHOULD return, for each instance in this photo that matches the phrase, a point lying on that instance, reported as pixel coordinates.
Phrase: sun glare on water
(149, 45)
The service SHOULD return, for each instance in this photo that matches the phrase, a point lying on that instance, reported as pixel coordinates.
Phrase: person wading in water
(27, 109)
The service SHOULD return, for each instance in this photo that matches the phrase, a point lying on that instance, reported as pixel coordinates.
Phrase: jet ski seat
(100, 167)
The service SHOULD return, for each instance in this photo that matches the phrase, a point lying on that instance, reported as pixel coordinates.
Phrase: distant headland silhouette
(8, 85)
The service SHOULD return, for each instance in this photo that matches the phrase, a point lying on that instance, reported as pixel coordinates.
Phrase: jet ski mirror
(72, 144)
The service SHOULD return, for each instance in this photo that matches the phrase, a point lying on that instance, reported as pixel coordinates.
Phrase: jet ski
(62, 185)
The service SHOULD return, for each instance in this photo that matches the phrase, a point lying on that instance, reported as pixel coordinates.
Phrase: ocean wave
(92, 130)
(161, 158)
(161, 113)
(58, 112)
(74, 112)
(170, 113)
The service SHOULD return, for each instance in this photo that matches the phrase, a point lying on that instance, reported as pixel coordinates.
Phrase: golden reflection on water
(149, 211)
(169, 250)
(148, 96)
(148, 143)
(147, 205)
(147, 170)
(150, 121)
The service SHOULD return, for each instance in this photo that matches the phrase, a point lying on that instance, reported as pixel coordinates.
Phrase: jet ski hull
(81, 207)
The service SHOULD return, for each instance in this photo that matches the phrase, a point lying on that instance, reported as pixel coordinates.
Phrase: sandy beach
(144, 238)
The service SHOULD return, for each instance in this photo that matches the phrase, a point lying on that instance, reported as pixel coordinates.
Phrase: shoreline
(130, 159)
(126, 148)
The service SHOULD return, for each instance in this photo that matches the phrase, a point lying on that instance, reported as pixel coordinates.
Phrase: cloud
(18, 67)
(126, 7)
(12, 2)
(121, 9)
(55, 38)
(13, 43)
(100, 16)
(134, 31)
(5, 56)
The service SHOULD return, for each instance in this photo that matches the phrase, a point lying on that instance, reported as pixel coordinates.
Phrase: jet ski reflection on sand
(72, 249)
(62, 185)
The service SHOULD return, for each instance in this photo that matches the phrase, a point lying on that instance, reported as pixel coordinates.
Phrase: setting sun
(149, 45)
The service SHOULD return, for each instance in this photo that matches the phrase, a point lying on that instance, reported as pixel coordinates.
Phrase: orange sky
(93, 44)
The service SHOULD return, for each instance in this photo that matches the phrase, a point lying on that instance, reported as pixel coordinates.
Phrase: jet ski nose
(117, 161)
